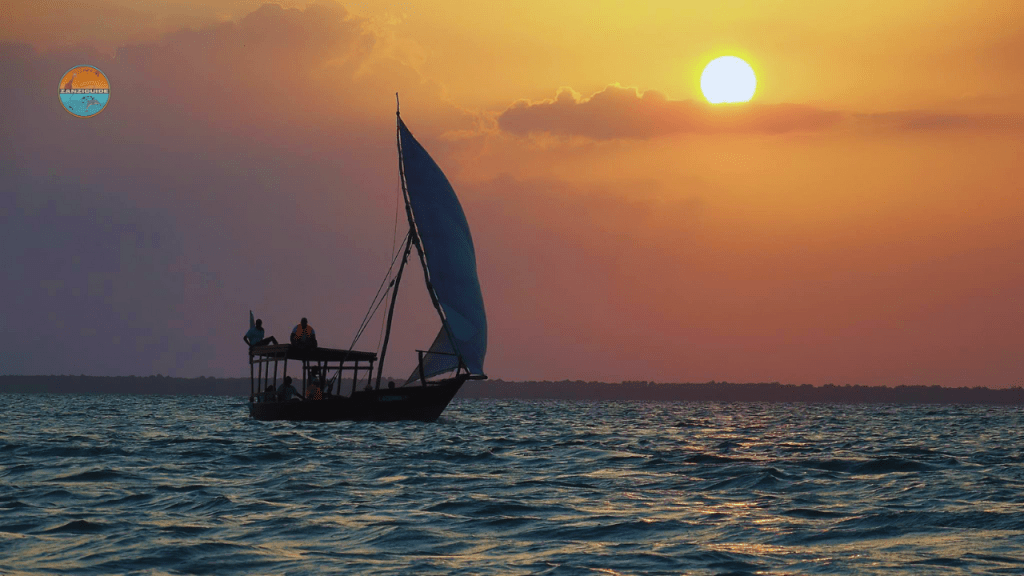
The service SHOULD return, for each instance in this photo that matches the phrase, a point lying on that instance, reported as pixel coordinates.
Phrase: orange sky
(858, 221)
(871, 55)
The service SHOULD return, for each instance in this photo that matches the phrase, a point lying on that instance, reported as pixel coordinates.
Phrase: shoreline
(773, 392)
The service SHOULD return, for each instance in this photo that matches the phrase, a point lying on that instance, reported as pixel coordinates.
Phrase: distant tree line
(733, 392)
(125, 385)
(561, 390)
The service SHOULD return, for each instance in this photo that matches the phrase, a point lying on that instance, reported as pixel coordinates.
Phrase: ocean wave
(119, 484)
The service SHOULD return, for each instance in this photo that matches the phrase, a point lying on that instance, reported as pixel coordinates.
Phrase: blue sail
(450, 261)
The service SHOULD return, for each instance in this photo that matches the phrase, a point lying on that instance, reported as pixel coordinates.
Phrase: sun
(728, 79)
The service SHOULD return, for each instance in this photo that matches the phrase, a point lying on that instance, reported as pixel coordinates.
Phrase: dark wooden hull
(423, 403)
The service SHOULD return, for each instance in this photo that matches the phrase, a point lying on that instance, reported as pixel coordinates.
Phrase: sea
(135, 484)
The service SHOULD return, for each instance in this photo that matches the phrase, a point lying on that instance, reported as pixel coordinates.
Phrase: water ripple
(191, 485)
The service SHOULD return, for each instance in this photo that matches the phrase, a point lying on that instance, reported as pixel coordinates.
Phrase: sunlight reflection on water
(111, 484)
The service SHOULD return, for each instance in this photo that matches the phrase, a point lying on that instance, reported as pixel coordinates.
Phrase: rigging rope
(394, 236)
(374, 304)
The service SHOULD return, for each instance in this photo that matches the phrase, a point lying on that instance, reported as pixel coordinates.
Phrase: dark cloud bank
(619, 112)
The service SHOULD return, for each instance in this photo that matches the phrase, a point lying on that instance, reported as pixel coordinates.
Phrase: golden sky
(858, 221)
(871, 55)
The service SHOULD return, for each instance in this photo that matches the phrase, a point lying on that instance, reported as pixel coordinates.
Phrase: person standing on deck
(254, 337)
(303, 335)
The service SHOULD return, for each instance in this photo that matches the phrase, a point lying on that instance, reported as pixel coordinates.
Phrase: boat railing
(259, 370)
(321, 361)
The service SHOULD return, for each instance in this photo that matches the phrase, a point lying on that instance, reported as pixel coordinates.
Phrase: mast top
(398, 107)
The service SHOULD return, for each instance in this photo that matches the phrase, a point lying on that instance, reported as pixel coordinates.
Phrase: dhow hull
(422, 403)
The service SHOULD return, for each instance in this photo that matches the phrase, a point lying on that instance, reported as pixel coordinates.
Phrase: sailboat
(339, 384)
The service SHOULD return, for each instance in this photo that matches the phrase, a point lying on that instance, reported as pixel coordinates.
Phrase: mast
(391, 309)
(413, 234)
(408, 239)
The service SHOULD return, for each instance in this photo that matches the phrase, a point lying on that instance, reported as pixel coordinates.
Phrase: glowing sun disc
(728, 79)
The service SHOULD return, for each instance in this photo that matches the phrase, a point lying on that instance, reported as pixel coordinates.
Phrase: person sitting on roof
(303, 335)
(288, 391)
(254, 337)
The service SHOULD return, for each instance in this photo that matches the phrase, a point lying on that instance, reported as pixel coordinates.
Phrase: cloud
(279, 65)
(246, 164)
(619, 112)
(75, 22)
(920, 120)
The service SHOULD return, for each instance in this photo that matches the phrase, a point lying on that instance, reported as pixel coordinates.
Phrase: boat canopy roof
(287, 351)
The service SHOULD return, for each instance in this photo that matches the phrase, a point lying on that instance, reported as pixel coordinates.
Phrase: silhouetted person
(254, 337)
(303, 335)
(288, 391)
(270, 394)
(325, 386)
(315, 388)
